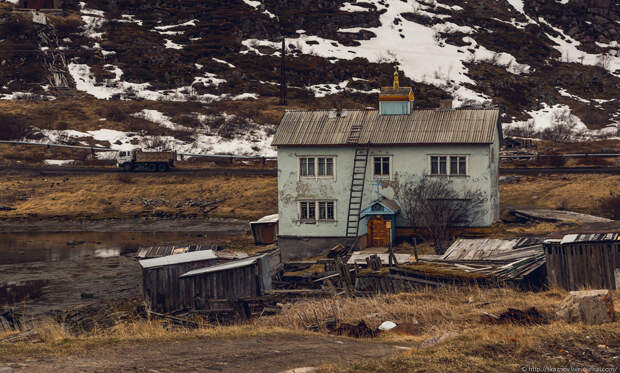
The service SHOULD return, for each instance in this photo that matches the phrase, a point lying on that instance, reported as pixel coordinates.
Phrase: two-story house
(340, 174)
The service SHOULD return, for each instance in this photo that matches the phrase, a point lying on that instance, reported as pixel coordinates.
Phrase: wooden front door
(378, 233)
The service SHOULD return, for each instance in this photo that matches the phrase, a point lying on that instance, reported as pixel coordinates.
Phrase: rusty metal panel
(323, 127)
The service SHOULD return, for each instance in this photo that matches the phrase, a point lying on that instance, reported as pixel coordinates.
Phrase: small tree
(437, 208)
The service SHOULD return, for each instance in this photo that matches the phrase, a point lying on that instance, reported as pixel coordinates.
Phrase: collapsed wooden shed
(245, 278)
(265, 229)
(160, 277)
(578, 261)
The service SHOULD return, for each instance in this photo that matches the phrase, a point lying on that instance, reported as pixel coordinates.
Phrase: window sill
(381, 177)
(315, 221)
(446, 175)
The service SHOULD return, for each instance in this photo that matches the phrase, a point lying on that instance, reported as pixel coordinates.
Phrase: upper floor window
(458, 165)
(381, 167)
(448, 165)
(306, 166)
(326, 166)
(316, 166)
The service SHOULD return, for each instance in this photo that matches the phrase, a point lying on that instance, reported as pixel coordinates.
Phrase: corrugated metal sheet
(590, 237)
(159, 251)
(222, 267)
(461, 126)
(178, 258)
(490, 248)
(266, 219)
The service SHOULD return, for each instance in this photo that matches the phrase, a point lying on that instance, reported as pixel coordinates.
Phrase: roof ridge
(373, 109)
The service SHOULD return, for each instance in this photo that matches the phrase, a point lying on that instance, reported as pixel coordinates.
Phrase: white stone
(387, 325)
(588, 306)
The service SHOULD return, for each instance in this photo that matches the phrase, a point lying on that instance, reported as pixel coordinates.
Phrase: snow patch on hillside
(252, 139)
(156, 117)
(260, 7)
(348, 7)
(85, 81)
(172, 45)
(322, 90)
(93, 20)
(567, 46)
(422, 55)
(558, 120)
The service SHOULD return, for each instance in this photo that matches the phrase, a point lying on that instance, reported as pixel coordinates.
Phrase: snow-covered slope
(544, 63)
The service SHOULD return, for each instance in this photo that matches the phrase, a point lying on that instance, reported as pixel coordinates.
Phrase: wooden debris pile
(530, 316)
(503, 260)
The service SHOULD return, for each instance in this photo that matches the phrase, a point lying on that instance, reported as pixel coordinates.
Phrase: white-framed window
(454, 165)
(326, 210)
(382, 167)
(306, 166)
(325, 166)
(317, 167)
(311, 212)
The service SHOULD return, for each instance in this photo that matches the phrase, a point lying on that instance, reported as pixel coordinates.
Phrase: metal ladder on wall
(358, 179)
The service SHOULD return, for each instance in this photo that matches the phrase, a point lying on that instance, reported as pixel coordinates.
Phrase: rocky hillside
(194, 66)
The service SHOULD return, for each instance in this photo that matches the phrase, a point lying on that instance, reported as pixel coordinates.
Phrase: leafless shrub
(604, 61)
(12, 128)
(157, 143)
(116, 114)
(526, 131)
(437, 208)
(610, 206)
(125, 179)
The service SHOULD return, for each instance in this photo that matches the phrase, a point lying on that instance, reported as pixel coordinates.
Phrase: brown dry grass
(479, 347)
(116, 196)
(446, 308)
(580, 193)
(112, 195)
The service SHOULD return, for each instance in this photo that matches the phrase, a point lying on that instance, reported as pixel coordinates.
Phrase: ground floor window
(308, 211)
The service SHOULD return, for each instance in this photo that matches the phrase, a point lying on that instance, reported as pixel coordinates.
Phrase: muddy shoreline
(55, 265)
(125, 225)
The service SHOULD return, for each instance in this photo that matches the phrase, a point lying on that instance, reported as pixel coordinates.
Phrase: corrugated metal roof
(159, 251)
(194, 256)
(222, 267)
(266, 219)
(391, 204)
(590, 237)
(487, 248)
(460, 126)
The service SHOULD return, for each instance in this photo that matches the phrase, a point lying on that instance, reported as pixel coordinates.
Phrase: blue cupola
(395, 100)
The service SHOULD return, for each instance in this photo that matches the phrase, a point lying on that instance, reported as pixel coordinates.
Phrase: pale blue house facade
(341, 175)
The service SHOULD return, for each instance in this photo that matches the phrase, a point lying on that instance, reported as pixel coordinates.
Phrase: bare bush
(610, 206)
(116, 114)
(437, 208)
(12, 128)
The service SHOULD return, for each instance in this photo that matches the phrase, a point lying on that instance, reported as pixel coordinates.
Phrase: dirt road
(247, 354)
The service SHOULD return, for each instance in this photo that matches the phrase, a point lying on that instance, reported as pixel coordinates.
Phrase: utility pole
(283, 93)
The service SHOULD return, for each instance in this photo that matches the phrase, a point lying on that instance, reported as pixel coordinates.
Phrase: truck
(132, 160)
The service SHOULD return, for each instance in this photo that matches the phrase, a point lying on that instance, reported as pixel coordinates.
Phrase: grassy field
(580, 193)
(123, 196)
(129, 195)
(474, 346)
